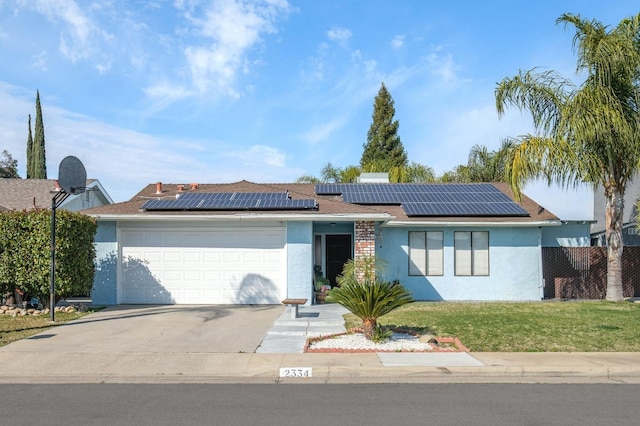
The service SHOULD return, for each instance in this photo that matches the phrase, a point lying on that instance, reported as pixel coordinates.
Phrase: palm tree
(307, 179)
(362, 291)
(482, 166)
(584, 133)
(488, 166)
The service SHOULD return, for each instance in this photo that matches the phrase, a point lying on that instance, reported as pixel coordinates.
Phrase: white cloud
(230, 29)
(397, 42)
(339, 35)
(40, 61)
(258, 155)
(125, 160)
(166, 90)
(79, 37)
(323, 131)
(164, 94)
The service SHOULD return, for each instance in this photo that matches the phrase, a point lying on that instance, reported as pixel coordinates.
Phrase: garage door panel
(171, 276)
(212, 276)
(211, 257)
(192, 256)
(243, 266)
(232, 256)
(191, 275)
(172, 256)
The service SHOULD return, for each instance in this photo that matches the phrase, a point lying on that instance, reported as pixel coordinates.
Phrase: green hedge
(25, 253)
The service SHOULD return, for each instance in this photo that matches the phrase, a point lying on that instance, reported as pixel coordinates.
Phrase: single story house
(258, 243)
(28, 194)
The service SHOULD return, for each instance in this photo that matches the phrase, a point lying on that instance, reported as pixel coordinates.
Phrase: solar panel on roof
(371, 198)
(158, 204)
(429, 199)
(287, 204)
(230, 201)
(463, 209)
(329, 189)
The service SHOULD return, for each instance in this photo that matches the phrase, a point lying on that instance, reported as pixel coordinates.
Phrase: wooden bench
(294, 305)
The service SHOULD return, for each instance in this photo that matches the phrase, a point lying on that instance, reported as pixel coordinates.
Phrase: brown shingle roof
(327, 205)
(26, 194)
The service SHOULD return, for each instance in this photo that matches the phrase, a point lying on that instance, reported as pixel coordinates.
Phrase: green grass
(18, 328)
(524, 327)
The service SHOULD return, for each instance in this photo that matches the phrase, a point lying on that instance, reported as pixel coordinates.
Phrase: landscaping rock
(16, 311)
(427, 338)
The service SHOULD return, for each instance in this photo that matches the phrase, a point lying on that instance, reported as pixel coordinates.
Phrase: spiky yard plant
(370, 300)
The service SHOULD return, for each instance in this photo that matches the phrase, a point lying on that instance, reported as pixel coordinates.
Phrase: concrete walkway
(289, 335)
(280, 351)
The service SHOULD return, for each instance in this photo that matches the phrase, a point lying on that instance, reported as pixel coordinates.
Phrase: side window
(426, 253)
(471, 253)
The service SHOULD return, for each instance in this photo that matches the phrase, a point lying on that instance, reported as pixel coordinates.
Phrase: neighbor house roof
(27, 194)
(329, 207)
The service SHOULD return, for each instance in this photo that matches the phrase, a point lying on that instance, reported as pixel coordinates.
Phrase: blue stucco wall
(299, 260)
(515, 271)
(334, 228)
(567, 234)
(104, 291)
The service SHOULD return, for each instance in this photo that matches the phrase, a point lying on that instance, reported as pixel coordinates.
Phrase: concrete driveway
(159, 329)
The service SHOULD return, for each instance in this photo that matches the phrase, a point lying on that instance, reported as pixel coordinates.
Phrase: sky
(213, 91)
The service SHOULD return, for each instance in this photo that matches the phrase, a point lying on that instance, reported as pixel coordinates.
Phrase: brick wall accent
(365, 246)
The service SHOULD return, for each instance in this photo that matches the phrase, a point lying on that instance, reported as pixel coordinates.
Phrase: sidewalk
(282, 348)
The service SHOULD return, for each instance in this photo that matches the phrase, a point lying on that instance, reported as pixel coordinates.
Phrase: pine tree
(29, 152)
(383, 148)
(38, 151)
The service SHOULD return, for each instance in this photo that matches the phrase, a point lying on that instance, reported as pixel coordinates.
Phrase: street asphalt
(263, 344)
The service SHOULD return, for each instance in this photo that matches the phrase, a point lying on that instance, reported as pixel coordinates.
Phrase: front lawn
(17, 328)
(524, 327)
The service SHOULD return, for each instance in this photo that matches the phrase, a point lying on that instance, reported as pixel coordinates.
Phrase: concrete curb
(326, 368)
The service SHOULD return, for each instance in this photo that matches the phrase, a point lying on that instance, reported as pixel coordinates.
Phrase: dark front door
(338, 249)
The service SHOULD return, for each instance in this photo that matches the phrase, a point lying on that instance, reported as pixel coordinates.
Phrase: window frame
(474, 256)
(423, 267)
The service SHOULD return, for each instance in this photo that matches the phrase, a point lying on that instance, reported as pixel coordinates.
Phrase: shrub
(25, 253)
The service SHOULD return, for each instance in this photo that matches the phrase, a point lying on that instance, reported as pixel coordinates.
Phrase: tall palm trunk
(613, 226)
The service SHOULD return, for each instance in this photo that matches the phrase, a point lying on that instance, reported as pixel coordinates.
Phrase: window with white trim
(426, 253)
(471, 253)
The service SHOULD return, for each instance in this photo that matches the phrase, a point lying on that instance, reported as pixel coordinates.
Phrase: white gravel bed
(357, 341)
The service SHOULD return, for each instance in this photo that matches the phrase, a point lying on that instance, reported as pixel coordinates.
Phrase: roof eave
(394, 223)
(243, 216)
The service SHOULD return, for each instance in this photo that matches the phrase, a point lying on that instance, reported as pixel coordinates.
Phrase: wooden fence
(581, 272)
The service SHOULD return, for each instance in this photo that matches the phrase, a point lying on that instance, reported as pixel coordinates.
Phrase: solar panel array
(231, 201)
(428, 199)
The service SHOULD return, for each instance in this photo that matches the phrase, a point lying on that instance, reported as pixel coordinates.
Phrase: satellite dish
(72, 175)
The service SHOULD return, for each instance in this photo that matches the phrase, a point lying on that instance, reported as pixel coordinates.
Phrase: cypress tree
(383, 148)
(38, 151)
(29, 152)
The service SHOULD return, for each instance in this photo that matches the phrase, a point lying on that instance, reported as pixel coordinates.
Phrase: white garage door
(203, 266)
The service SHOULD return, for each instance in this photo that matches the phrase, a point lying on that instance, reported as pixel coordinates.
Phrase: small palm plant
(368, 299)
